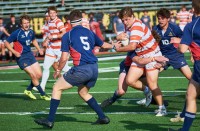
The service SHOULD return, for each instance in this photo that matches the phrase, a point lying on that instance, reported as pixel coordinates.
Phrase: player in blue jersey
(168, 31)
(79, 42)
(191, 39)
(22, 39)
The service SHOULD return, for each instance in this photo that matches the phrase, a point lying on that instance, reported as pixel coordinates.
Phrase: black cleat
(107, 102)
(105, 120)
(166, 103)
(170, 129)
(44, 122)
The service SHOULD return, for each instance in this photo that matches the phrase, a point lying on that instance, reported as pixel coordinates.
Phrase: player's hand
(56, 74)
(161, 59)
(45, 43)
(17, 54)
(122, 36)
(116, 45)
(41, 52)
(158, 65)
(175, 40)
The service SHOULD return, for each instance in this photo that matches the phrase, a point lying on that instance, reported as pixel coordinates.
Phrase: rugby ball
(125, 42)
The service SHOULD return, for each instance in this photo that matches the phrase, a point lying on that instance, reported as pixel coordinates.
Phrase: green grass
(125, 114)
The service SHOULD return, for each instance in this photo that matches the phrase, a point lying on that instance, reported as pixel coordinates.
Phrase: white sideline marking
(101, 92)
(79, 113)
(2, 81)
(63, 108)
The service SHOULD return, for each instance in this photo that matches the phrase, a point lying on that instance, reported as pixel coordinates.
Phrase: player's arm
(144, 61)
(6, 32)
(130, 47)
(35, 43)
(10, 48)
(182, 48)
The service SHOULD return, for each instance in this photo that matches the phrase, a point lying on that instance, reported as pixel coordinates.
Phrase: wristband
(114, 47)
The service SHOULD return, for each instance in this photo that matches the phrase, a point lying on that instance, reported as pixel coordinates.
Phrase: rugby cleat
(177, 118)
(161, 112)
(106, 103)
(44, 122)
(105, 120)
(29, 94)
(46, 97)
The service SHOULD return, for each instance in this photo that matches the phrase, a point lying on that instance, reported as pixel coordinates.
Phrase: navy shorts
(25, 60)
(176, 61)
(123, 68)
(82, 75)
(196, 72)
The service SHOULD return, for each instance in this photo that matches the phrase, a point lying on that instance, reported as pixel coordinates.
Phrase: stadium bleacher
(37, 7)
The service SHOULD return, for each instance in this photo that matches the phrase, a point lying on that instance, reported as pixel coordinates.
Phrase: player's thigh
(193, 89)
(61, 84)
(37, 69)
(185, 70)
(122, 86)
(48, 61)
(152, 77)
(134, 74)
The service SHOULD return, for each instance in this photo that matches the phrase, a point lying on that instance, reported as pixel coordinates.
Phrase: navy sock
(30, 87)
(189, 117)
(115, 97)
(42, 93)
(53, 107)
(93, 104)
(183, 111)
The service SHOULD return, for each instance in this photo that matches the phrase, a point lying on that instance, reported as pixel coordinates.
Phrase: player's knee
(82, 93)
(130, 82)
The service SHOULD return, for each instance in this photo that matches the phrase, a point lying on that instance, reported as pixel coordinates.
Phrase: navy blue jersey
(80, 42)
(166, 47)
(22, 40)
(191, 37)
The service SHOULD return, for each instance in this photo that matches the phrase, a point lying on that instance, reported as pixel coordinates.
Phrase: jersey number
(86, 45)
(165, 42)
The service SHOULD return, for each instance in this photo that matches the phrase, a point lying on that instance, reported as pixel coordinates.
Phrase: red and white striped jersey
(54, 28)
(183, 17)
(141, 34)
(44, 30)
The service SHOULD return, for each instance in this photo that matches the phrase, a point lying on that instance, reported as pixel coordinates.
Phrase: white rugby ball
(125, 42)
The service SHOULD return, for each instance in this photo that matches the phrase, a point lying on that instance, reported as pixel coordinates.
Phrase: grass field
(17, 112)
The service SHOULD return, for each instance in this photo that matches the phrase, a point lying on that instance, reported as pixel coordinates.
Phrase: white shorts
(149, 66)
(55, 53)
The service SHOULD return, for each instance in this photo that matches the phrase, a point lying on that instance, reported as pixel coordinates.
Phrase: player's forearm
(129, 47)
(64, 58)
(35, 43)
(8, 46)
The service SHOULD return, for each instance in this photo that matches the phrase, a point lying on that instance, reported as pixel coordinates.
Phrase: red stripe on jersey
(195, 49)
(145, 42)
(76, 56)
(155, 45)
(18, 47)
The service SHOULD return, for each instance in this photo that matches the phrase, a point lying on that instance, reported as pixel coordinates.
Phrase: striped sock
(189, 117)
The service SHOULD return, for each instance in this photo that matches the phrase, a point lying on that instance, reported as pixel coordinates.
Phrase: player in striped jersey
(142, 41)
(183, 16)
(191, 39)
(55, 31)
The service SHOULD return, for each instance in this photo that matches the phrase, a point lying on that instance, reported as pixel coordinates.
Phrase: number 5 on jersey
(86, 45)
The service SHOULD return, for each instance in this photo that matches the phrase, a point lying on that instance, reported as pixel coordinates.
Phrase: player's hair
(75, 16)
(52, 8)
(163, 12)
(26, 17)
(196, 6)
(126, 12)
(156, 36)
(1, 18)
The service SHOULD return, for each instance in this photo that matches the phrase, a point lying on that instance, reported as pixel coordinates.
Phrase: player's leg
(191, 109)
(186, 71)
(48, 62)
(91, 101)
(122, 88)
(60, 85)
(3, 51)
(152, 77)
